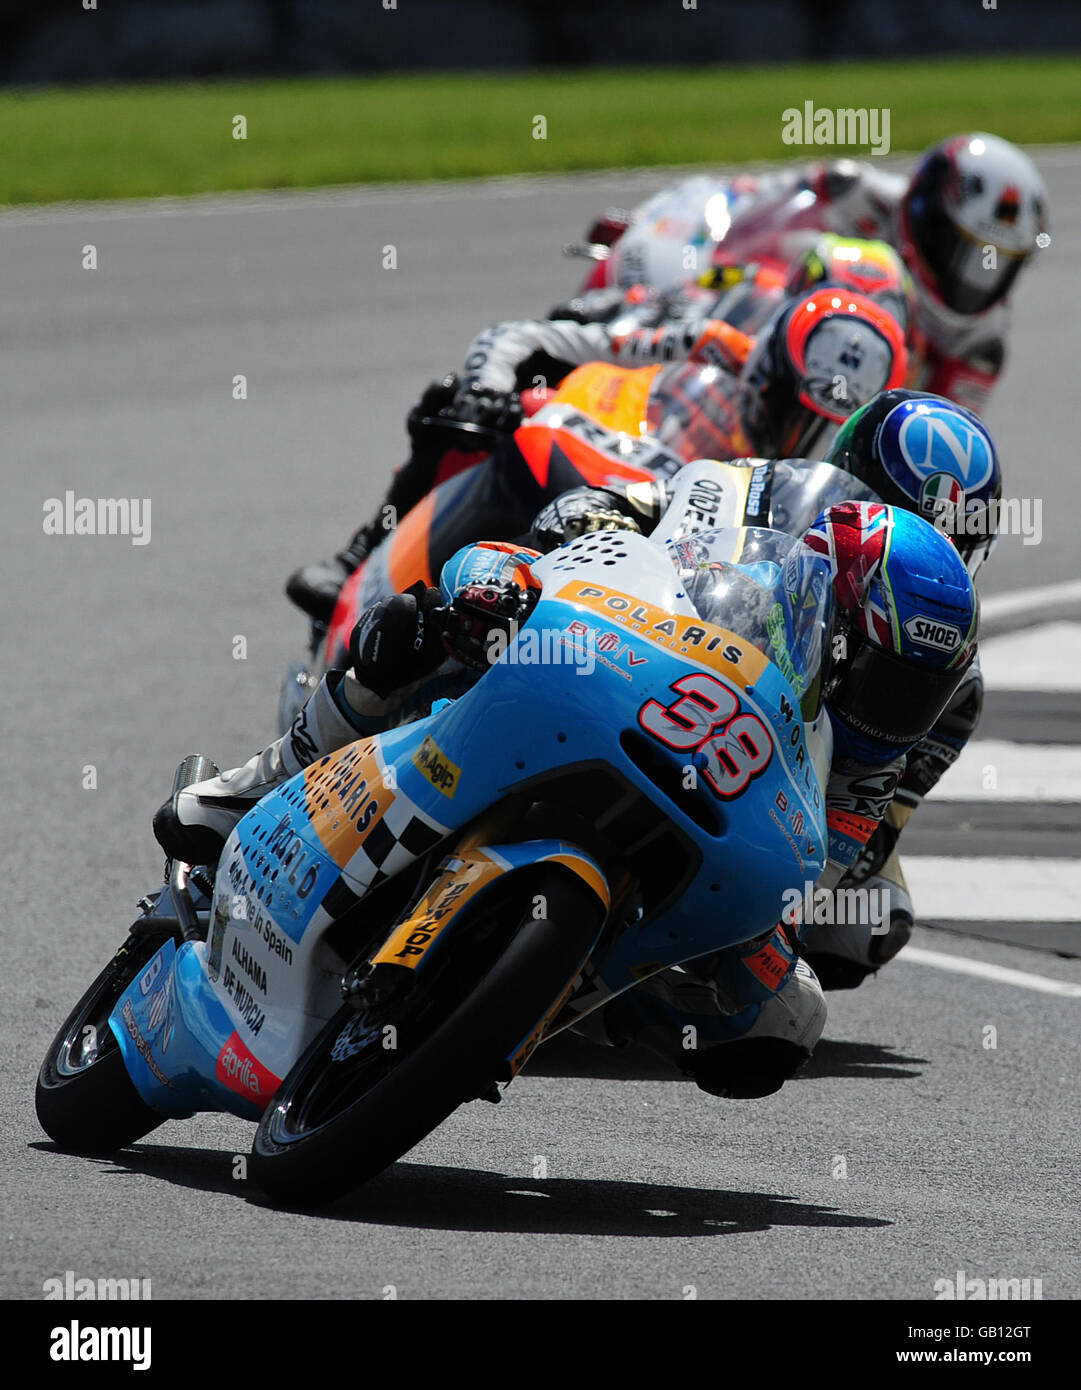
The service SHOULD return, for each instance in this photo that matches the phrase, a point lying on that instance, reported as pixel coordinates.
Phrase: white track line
(1026, 600)
(644, 179)
(1004, 613)
(995, 890)
(962, 965)
(1045, 657)
(997, 770)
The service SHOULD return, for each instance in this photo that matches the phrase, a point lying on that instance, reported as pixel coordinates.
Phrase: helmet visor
(890, 698)
(971, 275)
(801, 489)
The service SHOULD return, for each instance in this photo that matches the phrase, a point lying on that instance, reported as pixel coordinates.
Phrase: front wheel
(374, 1083)
(85, 1099)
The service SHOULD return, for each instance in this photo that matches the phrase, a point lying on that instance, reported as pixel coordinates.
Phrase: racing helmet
(872, 268)
(932, 457)
(907, 617)
(817, 359)
(970, 218)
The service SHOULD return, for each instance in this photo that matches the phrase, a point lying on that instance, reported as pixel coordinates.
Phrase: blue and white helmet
(932, 457)
(909, 618)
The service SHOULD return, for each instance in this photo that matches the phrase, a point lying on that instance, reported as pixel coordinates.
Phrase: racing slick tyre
(85, 1099)
(353, 1104)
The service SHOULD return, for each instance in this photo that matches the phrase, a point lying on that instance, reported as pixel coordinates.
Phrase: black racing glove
(436, 397)
(497, 411)
(399, 640)
(451, 407)
(596, 306)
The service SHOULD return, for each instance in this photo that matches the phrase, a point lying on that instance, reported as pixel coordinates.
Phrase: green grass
(146, 140)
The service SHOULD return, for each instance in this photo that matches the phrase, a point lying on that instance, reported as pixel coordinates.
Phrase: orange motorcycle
(603, 425)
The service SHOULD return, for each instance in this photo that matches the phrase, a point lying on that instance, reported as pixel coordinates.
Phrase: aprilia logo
(240, 1069)
(240, 1072)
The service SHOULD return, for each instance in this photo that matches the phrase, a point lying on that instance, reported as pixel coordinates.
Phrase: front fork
(471, 865)
(188, 889)
(302, 677)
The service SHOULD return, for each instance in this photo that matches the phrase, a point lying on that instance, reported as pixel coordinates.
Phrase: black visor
(957, 261)
(889, 697)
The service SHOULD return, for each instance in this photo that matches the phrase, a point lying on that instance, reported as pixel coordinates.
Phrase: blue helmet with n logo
(932, 457)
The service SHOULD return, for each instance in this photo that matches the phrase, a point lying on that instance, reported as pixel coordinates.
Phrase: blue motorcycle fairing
(449, 767)
(777, 840)
(307, 853)
(173, 1036)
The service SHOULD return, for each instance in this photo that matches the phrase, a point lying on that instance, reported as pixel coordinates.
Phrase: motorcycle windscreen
(694, 412)
(801, 488)
(769, 589)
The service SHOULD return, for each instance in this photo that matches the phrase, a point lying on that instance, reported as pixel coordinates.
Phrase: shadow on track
(569, 1055)
(427, 1197)
(870, 1060)
(412, 1194)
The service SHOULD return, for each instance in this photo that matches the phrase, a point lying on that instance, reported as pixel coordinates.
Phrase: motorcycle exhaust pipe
(194, 768)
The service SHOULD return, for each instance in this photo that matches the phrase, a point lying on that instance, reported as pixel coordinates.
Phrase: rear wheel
(375, 1082)
(85, 1099)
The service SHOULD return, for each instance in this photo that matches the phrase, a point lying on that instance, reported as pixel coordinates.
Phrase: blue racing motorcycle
(635, 782)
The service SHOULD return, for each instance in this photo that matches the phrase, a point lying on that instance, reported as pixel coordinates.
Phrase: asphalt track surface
(905, 1152)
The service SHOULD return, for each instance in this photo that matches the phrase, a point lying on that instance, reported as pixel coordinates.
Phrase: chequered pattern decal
(369, 828)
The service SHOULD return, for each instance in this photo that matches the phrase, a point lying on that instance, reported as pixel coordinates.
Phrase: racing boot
(194, 825)
(868, 920)
(740, 1055)
(315, 588)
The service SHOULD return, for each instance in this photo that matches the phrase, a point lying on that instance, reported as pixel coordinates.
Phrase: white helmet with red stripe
(970, 218)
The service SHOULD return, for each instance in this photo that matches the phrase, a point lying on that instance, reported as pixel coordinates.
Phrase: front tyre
(85, 1099)
(352, 1105)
